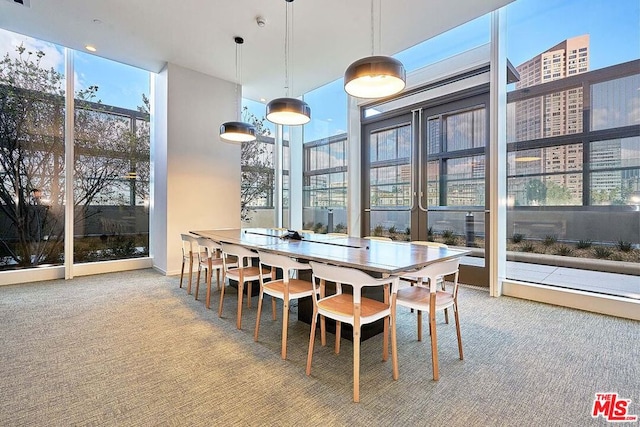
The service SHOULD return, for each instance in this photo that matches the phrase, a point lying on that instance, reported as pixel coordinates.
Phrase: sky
(533, 26)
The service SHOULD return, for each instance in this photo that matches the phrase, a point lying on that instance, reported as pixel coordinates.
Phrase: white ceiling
(198, 34)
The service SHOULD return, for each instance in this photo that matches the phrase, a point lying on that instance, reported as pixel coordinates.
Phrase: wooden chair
(355, 310)
(288, 288)
(243, 272)
(426, 296)
(441, 280)
(209, 260)
(189, 245)
(381, 238)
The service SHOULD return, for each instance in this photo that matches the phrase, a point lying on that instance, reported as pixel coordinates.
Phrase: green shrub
(564, 251)
(625, 246)
(517, 237)
(550, 240)
(527, 247)
(392, 229)
(378, 230)
(602, 252)
(584, 244)
(447, 234)
(340, 228)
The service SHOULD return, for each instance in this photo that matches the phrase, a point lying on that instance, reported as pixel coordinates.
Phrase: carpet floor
(133, 349)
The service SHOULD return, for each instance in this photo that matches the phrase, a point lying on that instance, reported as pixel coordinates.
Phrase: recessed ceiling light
(90, 48)
(263, 100)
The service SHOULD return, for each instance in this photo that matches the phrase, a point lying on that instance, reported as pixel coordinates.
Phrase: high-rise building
(558, 113)
(555, 114)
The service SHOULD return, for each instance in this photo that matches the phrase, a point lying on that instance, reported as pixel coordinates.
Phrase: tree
(32, 156)
(536, 191)
(256, 160)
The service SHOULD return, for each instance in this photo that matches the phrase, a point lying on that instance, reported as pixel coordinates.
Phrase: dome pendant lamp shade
(374, 77)
(288, 111)
(237, 132)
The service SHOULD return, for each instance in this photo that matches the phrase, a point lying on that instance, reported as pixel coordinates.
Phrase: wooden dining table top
(382, 257)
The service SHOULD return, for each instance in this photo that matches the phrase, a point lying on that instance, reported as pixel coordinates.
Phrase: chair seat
(249, 273)
(342, 305)
(418, 298)
(297, 288)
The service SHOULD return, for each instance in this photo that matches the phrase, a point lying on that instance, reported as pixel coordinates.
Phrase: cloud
(54, 55)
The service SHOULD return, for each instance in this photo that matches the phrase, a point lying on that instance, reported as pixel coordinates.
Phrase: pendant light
(237, 132)
(288, 111)
(374, 76)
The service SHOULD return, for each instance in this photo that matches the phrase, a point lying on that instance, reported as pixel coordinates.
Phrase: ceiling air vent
(26, 3)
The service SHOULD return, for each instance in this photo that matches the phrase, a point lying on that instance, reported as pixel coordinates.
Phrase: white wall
(196, 176)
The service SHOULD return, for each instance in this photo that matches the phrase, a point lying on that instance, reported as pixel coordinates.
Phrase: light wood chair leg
(207, 302)
(285, 327)
(394, 343)
(240, 293)
(434, 338)
(338, 333)
(197, 284)
(385, 339)
(273, 309)
(182, 272)
(312, 337)
(455, 313)
(323, 331)
(255, 334)
(221, 299)
(356, 355)
(218, 278)
(190, 272)
(249, 292)
(419, 317)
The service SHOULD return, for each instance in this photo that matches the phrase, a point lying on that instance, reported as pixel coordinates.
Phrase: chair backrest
(188, 242)
(430, 244)
(239, 252)
(209, 246)
(384, 239)
(287, 264)
(438, 269)
(349, 276)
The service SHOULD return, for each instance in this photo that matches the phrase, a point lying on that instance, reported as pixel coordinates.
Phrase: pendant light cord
(286, 49)
(372, 32)
(379, 26)
(237, 80)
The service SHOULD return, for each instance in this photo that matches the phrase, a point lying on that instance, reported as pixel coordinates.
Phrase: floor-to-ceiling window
(325, 160)
(257, 197)
(574, 141)
(111, 147)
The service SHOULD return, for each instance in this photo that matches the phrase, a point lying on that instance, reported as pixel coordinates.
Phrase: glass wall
(111, 169)
(325, 160)
(32, 111)
(574, 130)
(258, 176)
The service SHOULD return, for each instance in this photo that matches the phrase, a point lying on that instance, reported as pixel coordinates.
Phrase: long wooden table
(372, 256)
(377, 256)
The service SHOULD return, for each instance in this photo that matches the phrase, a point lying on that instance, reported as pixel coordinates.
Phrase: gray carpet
(133, 349)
